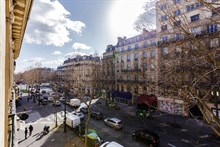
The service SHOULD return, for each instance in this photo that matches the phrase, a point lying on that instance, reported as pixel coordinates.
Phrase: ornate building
(81, 73)
(131, 67)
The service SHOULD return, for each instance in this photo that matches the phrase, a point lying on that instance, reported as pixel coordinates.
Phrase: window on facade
(177, 12)
(128, 88)
(212, 28)
(177, 23)
(214, 42)
(196, 30)
(136, 66)
(163, 6)
(178, 49)
(144, 54)
(152, 78)
(152, 53)
(194, 18)
(122, 88)
(163, 28)
(122, 50)
(128, 66)
(122, 58)
(128, 57)
(193, 6)
(153, 43)
(118, 59)
(176, 1)
(136, 46)
(145, 44)
(165, 50)
(164, 38)
(176, 36)
(129, 48)
(144, 67)
(163, 18)
(135, 56)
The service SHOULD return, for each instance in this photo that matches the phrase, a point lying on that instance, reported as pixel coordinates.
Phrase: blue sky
(61, 29)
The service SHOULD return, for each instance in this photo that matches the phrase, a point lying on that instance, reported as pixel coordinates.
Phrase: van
(75, 103)
(72, 121)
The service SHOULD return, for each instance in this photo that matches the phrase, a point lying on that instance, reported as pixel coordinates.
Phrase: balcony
(131, 70)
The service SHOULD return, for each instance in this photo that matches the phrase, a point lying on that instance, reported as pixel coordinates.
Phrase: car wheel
(105, 123)
(134, 137)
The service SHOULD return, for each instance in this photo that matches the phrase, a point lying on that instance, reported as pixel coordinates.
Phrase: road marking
(171, 145)
(204, 136)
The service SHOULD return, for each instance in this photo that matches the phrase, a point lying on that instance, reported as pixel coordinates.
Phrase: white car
(62, 99)
(113, 122)
(79, 114)
(111, 144)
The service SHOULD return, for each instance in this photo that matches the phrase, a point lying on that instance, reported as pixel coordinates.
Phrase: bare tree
(189, 53)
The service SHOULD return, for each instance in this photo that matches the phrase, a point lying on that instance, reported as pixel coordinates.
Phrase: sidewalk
(55, 138)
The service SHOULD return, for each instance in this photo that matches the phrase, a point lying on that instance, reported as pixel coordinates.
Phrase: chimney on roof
(119, 39)
(145, 31)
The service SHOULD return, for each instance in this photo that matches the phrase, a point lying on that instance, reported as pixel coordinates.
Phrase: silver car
(113, 122)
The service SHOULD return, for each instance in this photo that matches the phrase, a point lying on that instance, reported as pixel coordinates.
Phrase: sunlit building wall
(14, 16)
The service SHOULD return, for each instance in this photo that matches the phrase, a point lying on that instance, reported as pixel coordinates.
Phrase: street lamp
(64, 113)
(215, 97)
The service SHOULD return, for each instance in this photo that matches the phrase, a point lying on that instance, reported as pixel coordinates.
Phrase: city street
(168, 133)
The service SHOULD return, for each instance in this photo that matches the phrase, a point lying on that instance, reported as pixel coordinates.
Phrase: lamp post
(215, 97)
(64, 113)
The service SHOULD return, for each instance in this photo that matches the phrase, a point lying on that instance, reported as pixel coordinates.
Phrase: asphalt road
(169, 135)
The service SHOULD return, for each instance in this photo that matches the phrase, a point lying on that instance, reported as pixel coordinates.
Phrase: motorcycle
(46, 129)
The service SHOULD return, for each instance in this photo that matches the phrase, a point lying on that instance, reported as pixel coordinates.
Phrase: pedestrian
(30, 130)
(28, 99)
(26, 132)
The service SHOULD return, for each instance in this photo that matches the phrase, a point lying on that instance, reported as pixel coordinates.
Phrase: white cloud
(74, 54)
(49, 24)
(54, 63)
(77, 45)
(56, 53)
(33, 60)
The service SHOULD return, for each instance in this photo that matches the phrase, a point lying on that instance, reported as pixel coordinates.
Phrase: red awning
(147, 99)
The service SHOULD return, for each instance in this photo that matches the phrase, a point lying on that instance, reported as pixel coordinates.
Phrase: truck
(72, 121)
(75, 103)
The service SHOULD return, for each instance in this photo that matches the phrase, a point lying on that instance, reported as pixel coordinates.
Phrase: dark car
(146, 136)
(97, 115)
(84, 110)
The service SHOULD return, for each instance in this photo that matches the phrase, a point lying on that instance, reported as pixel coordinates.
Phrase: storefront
(122, 97)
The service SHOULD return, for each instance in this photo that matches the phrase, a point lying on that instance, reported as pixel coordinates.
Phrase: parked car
(79, 114)
(57, 103)
(146, 136)
(75, 103)
(111, 144)
(84, 110)
(96, 115)
(62, 99)
(113, 122)
(44, 102)
(50, 99)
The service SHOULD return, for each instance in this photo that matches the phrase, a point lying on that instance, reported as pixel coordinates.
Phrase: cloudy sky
(61, 29)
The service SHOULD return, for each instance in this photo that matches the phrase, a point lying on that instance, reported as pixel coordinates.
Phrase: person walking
(30, 130)
(26, 132)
